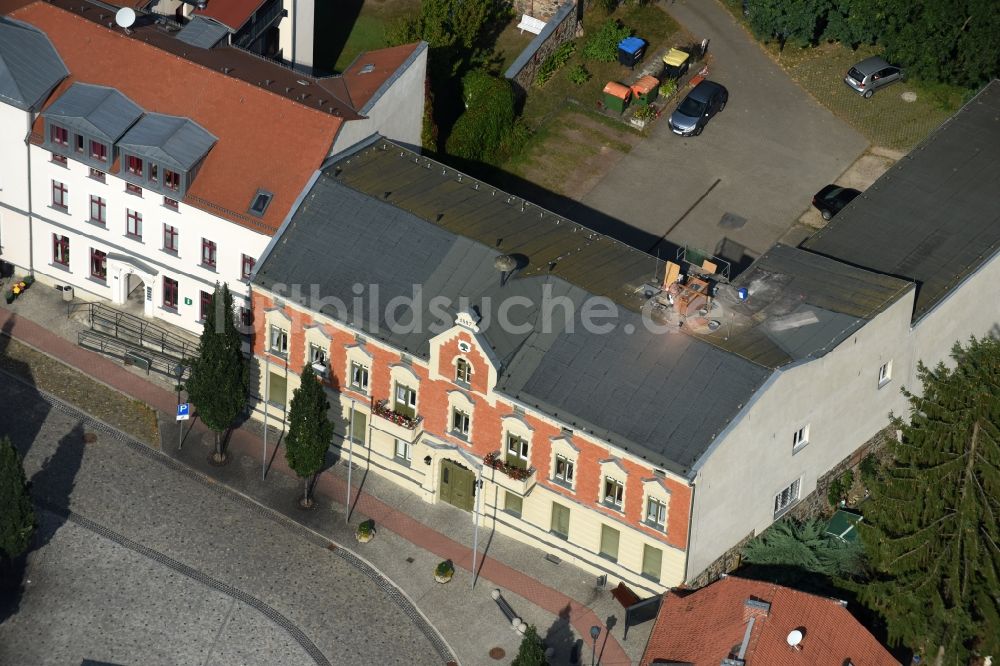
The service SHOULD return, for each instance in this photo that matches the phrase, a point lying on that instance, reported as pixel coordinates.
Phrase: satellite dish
(125, 17)
(795, 637)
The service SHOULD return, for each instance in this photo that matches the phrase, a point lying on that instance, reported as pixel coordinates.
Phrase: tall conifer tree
(17, 517)
(309, 431)
(932, 527)
(218, 382)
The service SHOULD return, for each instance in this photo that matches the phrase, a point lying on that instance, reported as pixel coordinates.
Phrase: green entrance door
(457, 485)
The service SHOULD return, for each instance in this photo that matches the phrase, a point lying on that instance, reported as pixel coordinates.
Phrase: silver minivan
(871, 74)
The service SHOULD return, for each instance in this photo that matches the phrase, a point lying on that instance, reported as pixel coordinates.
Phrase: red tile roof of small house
(705, 626)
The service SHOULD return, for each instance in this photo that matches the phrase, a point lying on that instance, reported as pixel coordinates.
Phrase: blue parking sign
(184, 411)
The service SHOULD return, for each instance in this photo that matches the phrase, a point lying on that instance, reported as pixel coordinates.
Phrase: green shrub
(603, 44)
(579, 75)
(556, 59)
(646, 113)
(479, 133)
(445, 568)
(668, 88)
(868, 467)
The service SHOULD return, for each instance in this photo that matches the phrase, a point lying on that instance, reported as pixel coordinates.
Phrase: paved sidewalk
(567, 607)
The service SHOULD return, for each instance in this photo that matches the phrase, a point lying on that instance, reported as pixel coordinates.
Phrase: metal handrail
(118, 348)
(136, 331)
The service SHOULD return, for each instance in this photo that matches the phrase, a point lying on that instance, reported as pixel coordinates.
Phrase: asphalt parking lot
(738, 187)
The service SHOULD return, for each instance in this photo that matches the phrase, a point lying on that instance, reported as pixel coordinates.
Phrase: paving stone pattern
(349, 619)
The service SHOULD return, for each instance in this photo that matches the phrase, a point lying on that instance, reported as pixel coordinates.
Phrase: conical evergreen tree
(309, 430)
(17, 517)
(531, 652)
(932, 527)
(218, 382)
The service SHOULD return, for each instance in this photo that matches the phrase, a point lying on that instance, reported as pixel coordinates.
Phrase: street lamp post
(350, 463)
(595, 631)
(475, 531)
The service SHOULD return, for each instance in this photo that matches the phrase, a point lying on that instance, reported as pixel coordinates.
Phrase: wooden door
(457, 485)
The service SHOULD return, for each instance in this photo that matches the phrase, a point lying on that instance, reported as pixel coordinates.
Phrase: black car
(690, 116)
(832, 198)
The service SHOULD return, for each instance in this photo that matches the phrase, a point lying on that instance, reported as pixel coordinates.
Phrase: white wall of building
(14, 198)
(398, 114)
(296, 33)
(971, 309)
(193, 224)
(837, 397)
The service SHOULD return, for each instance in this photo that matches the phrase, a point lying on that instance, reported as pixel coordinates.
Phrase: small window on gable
(463, 371)
(260, 202)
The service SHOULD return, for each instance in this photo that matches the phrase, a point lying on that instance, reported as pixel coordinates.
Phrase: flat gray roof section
(663, 396)
(800, 305)
(173, 141)
(202, 32)
(95, 110)
(934, 217)
(30, 67)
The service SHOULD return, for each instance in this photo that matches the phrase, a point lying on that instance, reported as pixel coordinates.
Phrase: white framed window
(463, 371)
(786, 497)
(279, 340)
(884, 374)
(359, 376)
(614, 492)
(563, 472)
(517, 451)
(460, 422)
(800, 438)
(656, 513)
(402, 451)
(317, 354)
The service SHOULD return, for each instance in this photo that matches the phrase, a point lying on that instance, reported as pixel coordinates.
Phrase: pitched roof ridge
(134, 37)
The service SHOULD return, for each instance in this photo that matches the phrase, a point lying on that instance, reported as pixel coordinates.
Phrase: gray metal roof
(662, 396)
(30, 67)
(202, 32)
(96, 110)
(170, 140)
(934, 217)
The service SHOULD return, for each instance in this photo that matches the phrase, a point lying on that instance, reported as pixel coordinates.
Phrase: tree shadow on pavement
(561, 639)
(21, 419)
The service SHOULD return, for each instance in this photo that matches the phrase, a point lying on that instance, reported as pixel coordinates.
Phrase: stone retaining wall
(561, 28)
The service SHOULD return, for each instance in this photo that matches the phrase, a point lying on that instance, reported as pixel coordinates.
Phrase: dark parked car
(832, 198)
(691, 115)
(871, 74)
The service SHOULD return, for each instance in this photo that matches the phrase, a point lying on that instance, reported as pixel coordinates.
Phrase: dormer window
(260, 202)
(78, 143)
(171, 180)
(59, 135)
(134, 165)
(98, 151)
(154, 173)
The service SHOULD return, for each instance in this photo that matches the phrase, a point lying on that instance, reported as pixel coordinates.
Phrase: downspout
(690, 539)
(31, 210)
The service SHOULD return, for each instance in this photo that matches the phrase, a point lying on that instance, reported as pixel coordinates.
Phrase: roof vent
(367, 69)
(226, 70)
(302, 82)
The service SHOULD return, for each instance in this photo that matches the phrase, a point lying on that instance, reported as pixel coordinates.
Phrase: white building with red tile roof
(141, 166)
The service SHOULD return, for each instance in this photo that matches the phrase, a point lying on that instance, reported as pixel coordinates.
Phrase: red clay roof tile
(703, 627)
(266, 141)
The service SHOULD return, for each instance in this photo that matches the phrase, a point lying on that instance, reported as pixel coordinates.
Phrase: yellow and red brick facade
(645, 556)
